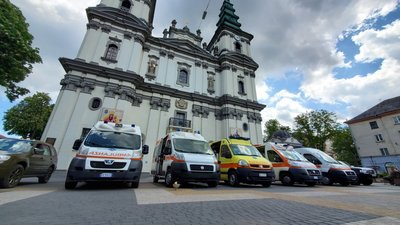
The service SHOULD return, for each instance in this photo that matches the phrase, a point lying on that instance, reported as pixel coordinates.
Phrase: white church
(123, 73)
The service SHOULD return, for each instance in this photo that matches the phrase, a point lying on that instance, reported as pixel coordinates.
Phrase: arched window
(95, 103)
(112, 52)
(126, 5)
(183, 77)
(238, 47)
(241, 87)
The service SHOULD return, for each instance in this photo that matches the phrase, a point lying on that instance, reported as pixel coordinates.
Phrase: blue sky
(338, 55)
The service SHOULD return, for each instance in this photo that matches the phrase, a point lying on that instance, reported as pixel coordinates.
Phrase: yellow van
(241, 162)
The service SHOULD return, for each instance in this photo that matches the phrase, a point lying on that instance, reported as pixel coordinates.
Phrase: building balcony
(177, 124)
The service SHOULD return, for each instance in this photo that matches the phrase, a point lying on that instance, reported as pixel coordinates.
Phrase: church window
(183, 77)
(241, 87)
(112, 52)
(95, 103)
(238, 47)
(126, 5)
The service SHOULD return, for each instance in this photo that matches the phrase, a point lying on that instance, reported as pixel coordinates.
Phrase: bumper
(181, 173)
(339, 176)
(76, 172)
(362, 177)
(301, 175)
(251, 176)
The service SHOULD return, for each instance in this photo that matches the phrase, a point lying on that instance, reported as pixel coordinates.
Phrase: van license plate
(315, 178)
(105, 175)
(262, 174)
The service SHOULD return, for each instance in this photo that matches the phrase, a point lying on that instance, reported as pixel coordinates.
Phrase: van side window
(273, 156)
(225, 152)
(312, 159)
(167, 146)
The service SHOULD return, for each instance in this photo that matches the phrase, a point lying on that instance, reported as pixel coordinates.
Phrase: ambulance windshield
(244, 150)
(110, 139)
(192, 146)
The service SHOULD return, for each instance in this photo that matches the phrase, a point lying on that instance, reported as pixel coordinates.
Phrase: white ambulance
(110, 152)
(184, 157)
(332, 170)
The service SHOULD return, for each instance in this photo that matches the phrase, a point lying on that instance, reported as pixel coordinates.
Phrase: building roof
(387, 107)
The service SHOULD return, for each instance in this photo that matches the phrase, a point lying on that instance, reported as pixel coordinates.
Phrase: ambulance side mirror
(167, 150)
(145, 149)
(77, 144)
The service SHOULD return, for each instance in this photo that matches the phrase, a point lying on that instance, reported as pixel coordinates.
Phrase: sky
(337, 55)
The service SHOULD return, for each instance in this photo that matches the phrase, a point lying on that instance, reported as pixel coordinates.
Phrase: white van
(184, 157)
(290, 166)
(110, 152)
(332, 170)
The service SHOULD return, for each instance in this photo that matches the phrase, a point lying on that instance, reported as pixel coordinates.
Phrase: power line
(204, 14)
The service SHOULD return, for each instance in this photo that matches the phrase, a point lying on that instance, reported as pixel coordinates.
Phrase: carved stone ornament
(181, 104)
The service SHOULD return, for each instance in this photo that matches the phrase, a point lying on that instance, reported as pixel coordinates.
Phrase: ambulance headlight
(295, 164)
(136, 154)
(243, 163)
(4, 158)
(84, 151)
(180, 156)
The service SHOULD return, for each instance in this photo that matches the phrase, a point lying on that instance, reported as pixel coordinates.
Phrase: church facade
(176, 82)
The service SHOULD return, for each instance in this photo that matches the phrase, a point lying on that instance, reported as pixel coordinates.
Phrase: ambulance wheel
(368, 181)
(155, 179)
(287, 179)
(70, 184)
(169, 180)
(266, 184)
(212, 183)
(233, 178)
(344, 183)
(310, 184)
(134, 184)
(326, 181)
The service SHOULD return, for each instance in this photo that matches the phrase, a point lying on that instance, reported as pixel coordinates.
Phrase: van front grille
(201, 168)
(115, 165)
(314, 172)
(350, 173)
(259, 166)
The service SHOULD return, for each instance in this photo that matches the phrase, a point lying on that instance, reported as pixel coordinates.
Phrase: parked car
(25, 158)
(365, 175)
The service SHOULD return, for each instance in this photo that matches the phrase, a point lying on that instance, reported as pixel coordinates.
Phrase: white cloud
(284, 106)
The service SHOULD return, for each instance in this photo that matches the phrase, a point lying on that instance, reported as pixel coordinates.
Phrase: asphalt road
(33, 203)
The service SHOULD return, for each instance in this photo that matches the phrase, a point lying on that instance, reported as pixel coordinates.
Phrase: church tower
(162, 84)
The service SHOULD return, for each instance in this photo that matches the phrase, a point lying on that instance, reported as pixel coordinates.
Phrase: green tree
(29, 117)
(272, 126)
(314, 128)
(343, 146)
(16, 53)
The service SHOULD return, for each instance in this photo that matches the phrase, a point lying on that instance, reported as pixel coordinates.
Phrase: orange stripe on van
(173, 158)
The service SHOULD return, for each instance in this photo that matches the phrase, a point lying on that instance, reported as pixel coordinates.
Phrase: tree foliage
(29, 117)
(16, 53)
(343, 146)
(272, 126)
(314, 128)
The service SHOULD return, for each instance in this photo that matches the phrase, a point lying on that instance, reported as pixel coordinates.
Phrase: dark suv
(25, 158)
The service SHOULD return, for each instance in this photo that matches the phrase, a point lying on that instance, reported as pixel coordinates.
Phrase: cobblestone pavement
(33, 203)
